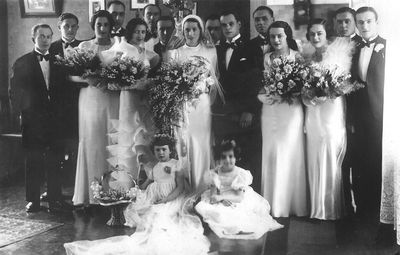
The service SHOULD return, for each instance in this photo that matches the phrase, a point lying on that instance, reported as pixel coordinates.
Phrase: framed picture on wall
(140, 4)
(96, 5)
(43, 8)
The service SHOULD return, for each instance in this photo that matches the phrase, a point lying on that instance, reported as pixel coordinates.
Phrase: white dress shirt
(63, 44)
(45, 66)
(229, 51)
(365, 58)
(264, 47)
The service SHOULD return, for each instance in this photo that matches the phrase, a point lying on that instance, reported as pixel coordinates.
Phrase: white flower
(379, 47)
(277, 62)
(278, 77)
(280, 85)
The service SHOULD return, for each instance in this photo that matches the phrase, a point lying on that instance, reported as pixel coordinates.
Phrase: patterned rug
(17, 229)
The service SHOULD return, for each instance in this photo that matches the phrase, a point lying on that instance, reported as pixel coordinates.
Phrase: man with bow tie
(34, 93)
(263, 17)
(368, 107)
(238, 116)
(117, 10)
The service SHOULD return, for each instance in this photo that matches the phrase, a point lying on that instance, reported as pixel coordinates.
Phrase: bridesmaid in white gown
(197, 131)
(96, 108)
(326, 140)
(283, 159)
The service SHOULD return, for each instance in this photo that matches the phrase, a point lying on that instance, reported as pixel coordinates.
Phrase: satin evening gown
(96, 109)
(196, 131)
(283, 181)
(326, 147)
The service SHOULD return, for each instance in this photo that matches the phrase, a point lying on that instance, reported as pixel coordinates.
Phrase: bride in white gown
(96, 108)
(194, 138)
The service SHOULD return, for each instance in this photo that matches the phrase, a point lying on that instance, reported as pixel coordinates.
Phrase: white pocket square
(243, 59)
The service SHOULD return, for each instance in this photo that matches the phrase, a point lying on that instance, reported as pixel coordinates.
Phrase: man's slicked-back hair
(115, 2)
(264, 8)
(231, 12)
(67, 15)
(150, 5)
(36, 27)
(367, 9)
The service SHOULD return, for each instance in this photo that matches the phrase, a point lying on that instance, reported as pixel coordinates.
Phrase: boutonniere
(167, 169)
(379, 47)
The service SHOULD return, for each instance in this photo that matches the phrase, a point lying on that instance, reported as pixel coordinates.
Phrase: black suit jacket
(256, 44)
(368, 102)
(240, 82)
(37, 104)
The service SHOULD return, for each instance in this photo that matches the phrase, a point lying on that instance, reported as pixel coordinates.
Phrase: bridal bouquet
(79, 62)
(176, 85)
(124, 73)
(284, 79)
(329, 82)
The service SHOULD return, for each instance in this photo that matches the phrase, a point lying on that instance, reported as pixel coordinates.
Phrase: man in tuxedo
(151, 15)
(345, 26)
(237, 116)
(213, 26)
(34, 93)
(263, 17)
(368, 111)
(67, 126)
(117, 10)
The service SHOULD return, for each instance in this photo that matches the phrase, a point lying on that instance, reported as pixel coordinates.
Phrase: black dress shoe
(59, 206)
(44, 197)
(32, 207)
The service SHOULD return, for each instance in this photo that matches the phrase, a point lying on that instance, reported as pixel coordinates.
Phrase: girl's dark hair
(161, 140)
(316, 22)
(131, 26)
(227, 145)
(288, 32)
(102, 13)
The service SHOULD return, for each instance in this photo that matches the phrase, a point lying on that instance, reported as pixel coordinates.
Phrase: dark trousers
(42, 163)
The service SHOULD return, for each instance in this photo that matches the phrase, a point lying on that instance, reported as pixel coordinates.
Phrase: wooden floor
(300, 235)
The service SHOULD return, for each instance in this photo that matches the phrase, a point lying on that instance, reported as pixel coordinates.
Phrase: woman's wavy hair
(99, 14)
(131, 26)
(316, 22)
(288, 31)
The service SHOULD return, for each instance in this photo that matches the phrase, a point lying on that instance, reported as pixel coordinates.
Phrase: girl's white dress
(161, 229)
(248, 219)
(194, 136)
(283, 181)
(96, 109)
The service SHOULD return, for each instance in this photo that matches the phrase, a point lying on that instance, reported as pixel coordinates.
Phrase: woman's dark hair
(161, 140)
(131, 26)
(99, 14)
(288, 32)
(316, 22)
(228, 145)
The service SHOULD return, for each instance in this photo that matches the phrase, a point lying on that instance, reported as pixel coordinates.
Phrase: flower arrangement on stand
(328, 82)
(284, 79)
(176, 85)
(124, 73)
(79, 62)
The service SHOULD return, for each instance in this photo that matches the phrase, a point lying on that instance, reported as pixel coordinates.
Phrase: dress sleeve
(242, 180)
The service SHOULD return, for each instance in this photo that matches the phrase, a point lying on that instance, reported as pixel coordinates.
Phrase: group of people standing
(302, 155)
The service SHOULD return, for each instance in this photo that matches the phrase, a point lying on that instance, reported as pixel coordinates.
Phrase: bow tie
(364, 43)
(232, 45)
(67, 44)
(41, 56)
(263, 41)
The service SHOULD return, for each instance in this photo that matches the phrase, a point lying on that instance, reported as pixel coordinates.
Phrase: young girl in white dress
(96, 108)
(326, 133)
(283, 181)
(194, 137)
(160, 214)
(231, 207)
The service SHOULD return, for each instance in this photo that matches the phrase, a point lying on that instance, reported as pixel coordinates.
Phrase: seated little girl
(230, 207)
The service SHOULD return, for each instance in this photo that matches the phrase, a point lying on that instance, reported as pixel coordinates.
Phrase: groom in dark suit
(368, 108)
(67, 126)
(34, 92)
(238, 116)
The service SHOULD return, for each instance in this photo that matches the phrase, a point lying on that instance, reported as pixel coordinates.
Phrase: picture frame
(96, 5)
(42, 8)
(140, 4)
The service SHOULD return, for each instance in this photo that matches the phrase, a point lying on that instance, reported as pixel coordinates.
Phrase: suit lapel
(37, 72)
(375, 57)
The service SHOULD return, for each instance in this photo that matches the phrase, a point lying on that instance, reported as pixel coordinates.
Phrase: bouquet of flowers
(284, 79)
(328, 81)
(79, 62)
(116, 187)
(177, 84)
(124, 72)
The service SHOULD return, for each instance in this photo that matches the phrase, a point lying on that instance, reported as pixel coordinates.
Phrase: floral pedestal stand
(117, 218)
